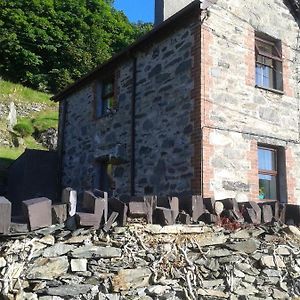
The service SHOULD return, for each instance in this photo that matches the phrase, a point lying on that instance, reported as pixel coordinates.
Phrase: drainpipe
(133, 133)
(64, 107)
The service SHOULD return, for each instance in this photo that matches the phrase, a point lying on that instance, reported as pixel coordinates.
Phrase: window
(268, 173)
(268, 63)
(105, 98)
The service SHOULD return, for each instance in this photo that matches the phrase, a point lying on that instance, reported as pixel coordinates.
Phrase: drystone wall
(150, 262)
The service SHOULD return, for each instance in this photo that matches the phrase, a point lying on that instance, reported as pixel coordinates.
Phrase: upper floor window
(268, 63)
(105, 98)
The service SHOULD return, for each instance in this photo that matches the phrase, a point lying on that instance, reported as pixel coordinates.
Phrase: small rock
(58, 250)
(50, 298)
(2, 262)
(249, 278)
(212, 283)
(26, 296)
(48, 240)
(272, 273)
(69, 290)
(90, 251)
(219, 253)
(267, 261)
(283, 251)
(248, 247)
(241, 234)
(78, 239)
(131, 278)
(79, 265)
(211, 293)
(49, 268)
(279, 295)
(293, 230)
(238, 273)
(157, 290)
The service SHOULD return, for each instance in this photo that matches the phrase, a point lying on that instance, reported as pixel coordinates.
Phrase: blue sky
(137, 10)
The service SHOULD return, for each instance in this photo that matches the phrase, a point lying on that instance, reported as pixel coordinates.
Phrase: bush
(24, 128)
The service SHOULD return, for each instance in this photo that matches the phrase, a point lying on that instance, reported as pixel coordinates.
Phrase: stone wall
(199, 116)
(236, 115)
(163, 123)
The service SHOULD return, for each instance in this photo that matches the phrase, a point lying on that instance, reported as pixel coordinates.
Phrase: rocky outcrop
(48, 139)
(152, 262)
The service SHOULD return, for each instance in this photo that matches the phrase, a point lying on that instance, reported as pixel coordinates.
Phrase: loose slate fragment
(48, 269)
(90, 251)
(120, 207)
(113, 217)
(131, 279)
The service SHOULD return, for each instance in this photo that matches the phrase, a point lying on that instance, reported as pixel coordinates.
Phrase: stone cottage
(207, 102)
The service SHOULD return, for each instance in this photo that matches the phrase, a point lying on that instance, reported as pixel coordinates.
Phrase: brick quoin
(253, 172)
(206, 101)
(291, 180)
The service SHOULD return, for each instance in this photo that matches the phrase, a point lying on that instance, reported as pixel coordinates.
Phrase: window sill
(105, 116)
(270, 90)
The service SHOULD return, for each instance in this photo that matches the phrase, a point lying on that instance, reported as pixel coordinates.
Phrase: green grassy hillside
(40, 113)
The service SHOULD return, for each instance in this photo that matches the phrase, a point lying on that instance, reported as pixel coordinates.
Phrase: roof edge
(175, 21)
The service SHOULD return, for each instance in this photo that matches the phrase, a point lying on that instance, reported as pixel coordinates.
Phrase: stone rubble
(145, 262)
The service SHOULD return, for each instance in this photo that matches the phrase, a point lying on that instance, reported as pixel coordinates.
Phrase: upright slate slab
(5, 215)
(59, 213)
(38, 212)
(69, 197)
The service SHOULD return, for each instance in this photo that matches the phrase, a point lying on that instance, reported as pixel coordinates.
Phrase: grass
(45, 120)
(12, 91)
(8, 155)
(31, 143)
(39, 121)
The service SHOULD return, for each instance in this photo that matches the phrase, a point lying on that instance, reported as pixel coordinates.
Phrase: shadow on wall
(34, 174)
(4, 167)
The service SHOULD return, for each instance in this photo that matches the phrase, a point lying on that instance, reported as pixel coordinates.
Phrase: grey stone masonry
(163, 126)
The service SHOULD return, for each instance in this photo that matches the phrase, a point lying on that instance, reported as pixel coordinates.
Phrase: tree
(47, 44)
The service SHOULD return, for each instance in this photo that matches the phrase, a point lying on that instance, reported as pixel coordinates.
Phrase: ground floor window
(268, 173)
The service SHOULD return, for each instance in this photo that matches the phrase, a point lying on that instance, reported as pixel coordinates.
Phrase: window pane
(107, 89)
(266, 159)
(105, 106)
(267, 61)
(267, 187)
(259, 76)
(266, 76)
(264, 47)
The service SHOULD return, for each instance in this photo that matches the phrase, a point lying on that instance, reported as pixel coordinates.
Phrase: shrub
(24, 128)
